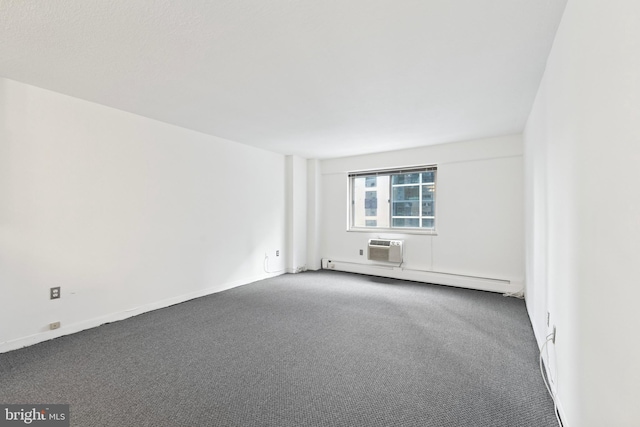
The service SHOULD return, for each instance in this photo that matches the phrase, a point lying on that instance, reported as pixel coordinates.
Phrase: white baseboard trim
(114, 317)
(439, 278)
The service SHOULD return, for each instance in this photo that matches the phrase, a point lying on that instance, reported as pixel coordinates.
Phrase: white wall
(126, 214)
(296, 179)
(479, 210)
(583, 212)
(314, 219)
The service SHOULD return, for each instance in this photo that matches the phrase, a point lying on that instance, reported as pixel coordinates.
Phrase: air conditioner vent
(385, 250)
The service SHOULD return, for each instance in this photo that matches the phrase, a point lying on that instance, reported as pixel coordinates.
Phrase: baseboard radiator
(394, 271)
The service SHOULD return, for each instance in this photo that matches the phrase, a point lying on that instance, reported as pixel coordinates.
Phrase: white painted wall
(479, 209)
(296, 179)
(126, 214)
(583, 212)
(314, 219)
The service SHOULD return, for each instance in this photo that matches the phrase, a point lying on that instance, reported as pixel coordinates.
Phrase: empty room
(320, 213)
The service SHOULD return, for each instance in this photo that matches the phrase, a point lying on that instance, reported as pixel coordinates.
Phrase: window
(371, 203)
(401, 198)
(370, 181)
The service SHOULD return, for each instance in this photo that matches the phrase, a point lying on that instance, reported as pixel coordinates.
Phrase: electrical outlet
(361, 252)
(278, 252)
(54, 325)
(55, 293)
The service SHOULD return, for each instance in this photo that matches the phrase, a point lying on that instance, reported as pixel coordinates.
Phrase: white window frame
(389, 173)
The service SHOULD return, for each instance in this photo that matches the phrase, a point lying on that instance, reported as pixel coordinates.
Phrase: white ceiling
(316, 78)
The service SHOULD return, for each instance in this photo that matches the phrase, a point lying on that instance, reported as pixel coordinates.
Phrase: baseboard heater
(439, 278)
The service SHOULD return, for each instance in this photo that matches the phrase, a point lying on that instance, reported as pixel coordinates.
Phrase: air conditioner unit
(385, 250)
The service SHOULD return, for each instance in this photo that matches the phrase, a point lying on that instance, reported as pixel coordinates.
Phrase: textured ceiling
(323, 78)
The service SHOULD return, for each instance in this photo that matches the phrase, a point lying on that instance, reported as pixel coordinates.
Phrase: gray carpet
(313, 349)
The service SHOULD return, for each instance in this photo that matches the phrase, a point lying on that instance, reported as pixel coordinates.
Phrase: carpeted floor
(313, 349)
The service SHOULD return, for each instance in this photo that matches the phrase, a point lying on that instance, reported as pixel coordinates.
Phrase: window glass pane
(370, 203)
(370, 200)
(429, 176)
(427, 223)
(406, 208)
(405, 178)
(406, 222)
(357, 202)
(427, 191)
(370, 181)
(406, 193)
(428, 202)
(428, 208)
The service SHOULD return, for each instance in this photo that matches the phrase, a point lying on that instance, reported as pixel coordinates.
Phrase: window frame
(351, 176)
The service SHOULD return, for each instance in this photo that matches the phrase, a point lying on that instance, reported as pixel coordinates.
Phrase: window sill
(393, 231)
